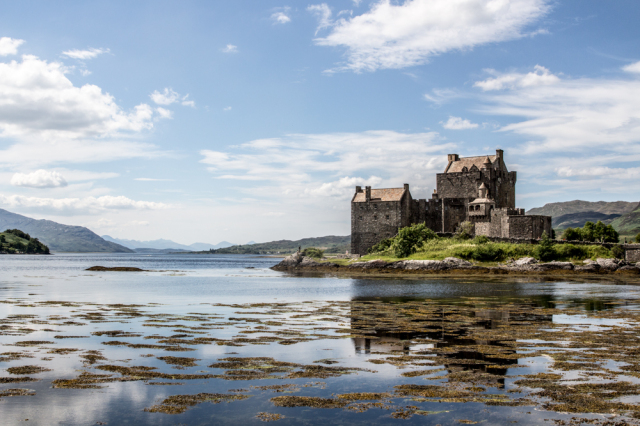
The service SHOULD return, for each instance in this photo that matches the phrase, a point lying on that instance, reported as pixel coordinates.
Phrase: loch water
(222, 339)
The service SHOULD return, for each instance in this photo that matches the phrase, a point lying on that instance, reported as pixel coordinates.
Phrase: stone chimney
(453, 157)
(406, 186)
(358, 189)
(499, 154)
(367, 190)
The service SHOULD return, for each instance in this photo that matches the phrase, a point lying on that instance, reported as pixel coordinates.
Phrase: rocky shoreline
(454, 266)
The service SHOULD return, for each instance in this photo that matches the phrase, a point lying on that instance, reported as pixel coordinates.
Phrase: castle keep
(479, 190)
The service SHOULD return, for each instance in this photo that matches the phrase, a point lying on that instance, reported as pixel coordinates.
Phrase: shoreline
(452, 267)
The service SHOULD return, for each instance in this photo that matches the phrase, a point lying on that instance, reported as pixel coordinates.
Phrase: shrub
(488, 253)
(544, 250)
(382, 246)
(18, 233)
(637, 238)
(570, 251)
(480, 239)
(617, 251)
(313, 252)
(465, 231)
(410, 239)
(571, 234)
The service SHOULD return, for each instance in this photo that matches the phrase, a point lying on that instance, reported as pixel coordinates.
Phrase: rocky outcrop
(452, 265)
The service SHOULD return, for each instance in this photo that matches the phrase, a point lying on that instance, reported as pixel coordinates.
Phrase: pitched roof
(386, 194)
(468, 162)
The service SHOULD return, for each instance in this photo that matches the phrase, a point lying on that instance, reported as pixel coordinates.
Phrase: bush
(617, 251)
(480, 239)
(571, 234)
(465, 231)
(544, 250)
(592, 232)
(410, 239)
(637, 238)
(382, 246)
(488, 253)
(313, 252)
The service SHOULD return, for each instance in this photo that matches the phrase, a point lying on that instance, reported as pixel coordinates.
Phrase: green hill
(628, 224)
(579, 206)
(577, 220)
(16, 241)
(60, 237)
(330, 244)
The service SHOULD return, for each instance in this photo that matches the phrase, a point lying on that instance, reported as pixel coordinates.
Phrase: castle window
(387, 216)
(375, 217)
(477, 207)
(470, 208)
(359, 217)
(375, 206)
(465, 169)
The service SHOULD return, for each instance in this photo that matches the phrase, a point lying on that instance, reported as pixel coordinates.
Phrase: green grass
(490, 253)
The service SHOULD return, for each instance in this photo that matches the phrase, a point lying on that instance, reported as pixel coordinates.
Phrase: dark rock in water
(116, 269)
(628, 269)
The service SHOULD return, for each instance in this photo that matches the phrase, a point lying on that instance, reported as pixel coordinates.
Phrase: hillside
(331, 244)
(579, 206)
(16, 241)
(628, 224)
(577, 220)
(162, 244)
(60, 237)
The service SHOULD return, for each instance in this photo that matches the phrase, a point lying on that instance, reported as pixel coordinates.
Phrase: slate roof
(468, 162)
(386, 194)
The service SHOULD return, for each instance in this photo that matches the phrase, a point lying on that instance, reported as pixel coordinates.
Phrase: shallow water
(115, 346)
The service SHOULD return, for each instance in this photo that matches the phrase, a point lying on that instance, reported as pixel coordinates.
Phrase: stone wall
(374, 221)
(528, 226)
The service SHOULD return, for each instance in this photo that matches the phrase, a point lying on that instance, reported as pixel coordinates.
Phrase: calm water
(436, 351)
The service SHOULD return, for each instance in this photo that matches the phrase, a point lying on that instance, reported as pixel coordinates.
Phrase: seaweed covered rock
(608, 264)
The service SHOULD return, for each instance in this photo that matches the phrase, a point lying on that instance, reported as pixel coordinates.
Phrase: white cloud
(230, 48)
(88, 205)
(587, 115)
(152, 180)
(280, 17)
(164, 113)
(323, 12)
(166, 97)
(540, 76)
(39, 179)
(84, 54)
(226, 108)
(9, 46)
(597, 172)
(634, 68)
(457, 123)
(186, 102)
(38, 101)
(136, 223)
(394, 35)
(320, 165)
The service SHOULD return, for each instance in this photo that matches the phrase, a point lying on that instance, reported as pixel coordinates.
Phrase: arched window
(470, 208)
(478, 207)
(465, 169)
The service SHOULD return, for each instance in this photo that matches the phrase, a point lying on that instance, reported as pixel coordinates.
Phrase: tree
(313, 252)
(410, 239)
(572, 234)
(465, 231)
(544, 250)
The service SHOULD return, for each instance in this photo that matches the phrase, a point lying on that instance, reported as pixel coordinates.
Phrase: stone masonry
(479, 190)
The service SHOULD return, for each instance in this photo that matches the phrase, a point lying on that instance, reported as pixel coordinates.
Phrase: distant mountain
(162, 244)
(579, 206)
(60, 237)
(331, 244)
(157, 251)
(577, 220)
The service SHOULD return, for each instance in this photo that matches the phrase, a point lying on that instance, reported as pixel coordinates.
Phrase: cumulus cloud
(320, 165)
(398, 35)
(84, 54)
(230, 48)
(88, 205)
(9, 46)
(281, 17)
(37, 100)
(39, 179)
(573, 115)
(634, 68)
(457, 123)
(539, 76)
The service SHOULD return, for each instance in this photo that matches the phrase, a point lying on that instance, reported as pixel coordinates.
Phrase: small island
(14, 241)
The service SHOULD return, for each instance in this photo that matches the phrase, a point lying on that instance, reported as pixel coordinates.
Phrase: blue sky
(254, 120)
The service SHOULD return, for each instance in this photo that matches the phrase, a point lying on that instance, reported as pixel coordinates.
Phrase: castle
(479, 190)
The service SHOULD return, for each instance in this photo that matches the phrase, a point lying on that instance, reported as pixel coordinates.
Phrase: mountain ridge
(162, 244)
(59, 237)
